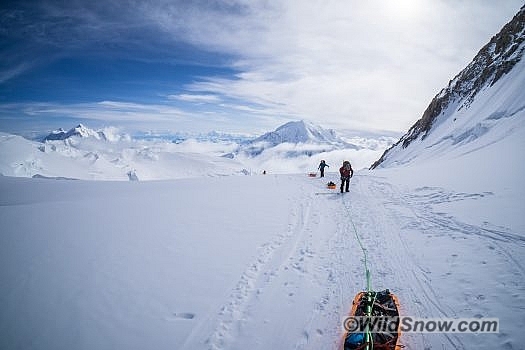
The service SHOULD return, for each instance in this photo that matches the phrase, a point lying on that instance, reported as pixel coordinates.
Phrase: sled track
(316, 265)
(497, 236)
(393, 265)
(414, 218)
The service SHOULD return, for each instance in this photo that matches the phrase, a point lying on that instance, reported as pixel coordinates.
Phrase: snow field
(250, 261)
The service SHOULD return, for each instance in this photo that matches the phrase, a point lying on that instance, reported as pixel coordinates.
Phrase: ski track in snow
(259, 274)
(394, 262)
(412, 213)
(292, 262)
(319, 252)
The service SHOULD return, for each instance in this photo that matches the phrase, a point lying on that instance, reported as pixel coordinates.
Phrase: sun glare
(403, 9)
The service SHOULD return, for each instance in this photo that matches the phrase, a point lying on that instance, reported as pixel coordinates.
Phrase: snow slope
(496, 113)
(483, 104)
(255, 262)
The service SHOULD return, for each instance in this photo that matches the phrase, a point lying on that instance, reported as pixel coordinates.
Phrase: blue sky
(234, 66)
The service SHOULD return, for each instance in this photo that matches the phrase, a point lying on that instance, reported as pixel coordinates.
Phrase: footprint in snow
(181, 316)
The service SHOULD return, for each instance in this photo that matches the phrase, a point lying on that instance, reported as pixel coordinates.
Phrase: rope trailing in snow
(367, 271)
(370, 294)
(368, 336)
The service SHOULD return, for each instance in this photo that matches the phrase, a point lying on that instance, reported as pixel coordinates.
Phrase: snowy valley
(107, 154)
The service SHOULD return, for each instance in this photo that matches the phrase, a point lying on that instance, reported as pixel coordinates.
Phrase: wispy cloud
(10, 72)
(196, 98)
(134, 116)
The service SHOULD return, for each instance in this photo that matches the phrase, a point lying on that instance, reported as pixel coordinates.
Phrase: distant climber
(346, 172)
(321, 167)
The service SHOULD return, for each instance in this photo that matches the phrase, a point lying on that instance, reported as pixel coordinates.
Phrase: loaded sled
(381, 310)
(331, 185)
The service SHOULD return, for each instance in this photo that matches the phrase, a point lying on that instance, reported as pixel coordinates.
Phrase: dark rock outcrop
(493, 61)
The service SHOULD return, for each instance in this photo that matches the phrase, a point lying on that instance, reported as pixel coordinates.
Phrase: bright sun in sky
(403, 9)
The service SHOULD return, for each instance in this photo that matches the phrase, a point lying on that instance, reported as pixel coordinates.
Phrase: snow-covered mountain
(483, 104)
(299, 132)
(304, 137)
(108, 154)
(79, 130)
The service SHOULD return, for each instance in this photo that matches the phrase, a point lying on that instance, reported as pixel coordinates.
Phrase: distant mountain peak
(299, 132)
(80, 130)
(314, 138)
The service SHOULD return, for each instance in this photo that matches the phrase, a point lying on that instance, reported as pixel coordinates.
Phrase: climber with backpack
(346, 172)
(321, 167)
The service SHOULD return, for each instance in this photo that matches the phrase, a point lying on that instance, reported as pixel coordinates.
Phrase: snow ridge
(495, 60)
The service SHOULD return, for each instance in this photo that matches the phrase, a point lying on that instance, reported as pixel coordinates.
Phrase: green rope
(367, 271)
(368, 334)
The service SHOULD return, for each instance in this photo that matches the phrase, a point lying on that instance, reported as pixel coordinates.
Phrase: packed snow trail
(437, 264)
(302, 286)
(254, 262)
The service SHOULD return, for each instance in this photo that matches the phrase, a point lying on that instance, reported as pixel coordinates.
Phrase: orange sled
(384, 306)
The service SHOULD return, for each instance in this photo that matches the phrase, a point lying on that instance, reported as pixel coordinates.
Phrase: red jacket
(346, 172)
